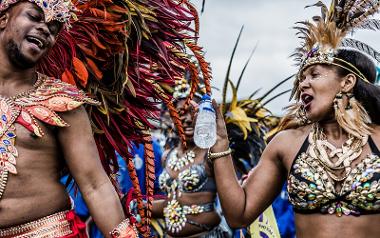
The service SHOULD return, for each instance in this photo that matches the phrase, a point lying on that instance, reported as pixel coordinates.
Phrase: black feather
(352, 43)
(370, 24)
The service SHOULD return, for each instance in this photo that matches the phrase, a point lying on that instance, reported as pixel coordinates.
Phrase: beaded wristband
(124, 230)
(213, 156)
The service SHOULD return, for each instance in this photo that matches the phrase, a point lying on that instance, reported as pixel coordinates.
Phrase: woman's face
(186, 118)
(319, 85)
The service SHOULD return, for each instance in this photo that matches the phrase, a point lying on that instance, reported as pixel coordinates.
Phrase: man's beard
(16, 57)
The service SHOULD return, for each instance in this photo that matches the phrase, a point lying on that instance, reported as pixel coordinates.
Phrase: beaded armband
(124, 230)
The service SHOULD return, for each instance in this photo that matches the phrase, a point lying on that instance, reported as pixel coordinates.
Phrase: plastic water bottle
(205, 126)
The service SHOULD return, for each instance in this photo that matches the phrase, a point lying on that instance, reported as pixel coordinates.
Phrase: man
(97, 46)
(33, 152)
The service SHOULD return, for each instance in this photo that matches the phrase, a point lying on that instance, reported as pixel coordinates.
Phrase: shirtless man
(29, 189)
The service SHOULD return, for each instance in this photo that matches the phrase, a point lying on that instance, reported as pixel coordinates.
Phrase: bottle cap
(206, 97)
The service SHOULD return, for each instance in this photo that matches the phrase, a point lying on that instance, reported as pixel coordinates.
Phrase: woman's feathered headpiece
(322, 37)
(127, 54)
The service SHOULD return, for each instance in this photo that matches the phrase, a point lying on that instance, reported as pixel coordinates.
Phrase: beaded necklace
(176, 163)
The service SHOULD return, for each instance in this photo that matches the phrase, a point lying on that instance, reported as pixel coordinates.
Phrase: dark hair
(367, 94)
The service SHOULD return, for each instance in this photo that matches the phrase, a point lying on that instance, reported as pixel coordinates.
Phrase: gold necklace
(323, 151)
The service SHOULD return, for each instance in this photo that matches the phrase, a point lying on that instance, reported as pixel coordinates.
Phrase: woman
(331, 159)
(189, 209)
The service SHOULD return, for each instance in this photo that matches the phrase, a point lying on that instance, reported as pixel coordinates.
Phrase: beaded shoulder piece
(42, 103)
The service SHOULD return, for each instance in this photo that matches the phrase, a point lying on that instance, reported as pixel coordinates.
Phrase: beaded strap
(55, 225)
(213, 156)
(124, 230)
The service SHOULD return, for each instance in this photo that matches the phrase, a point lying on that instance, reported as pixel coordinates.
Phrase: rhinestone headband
(54, 10)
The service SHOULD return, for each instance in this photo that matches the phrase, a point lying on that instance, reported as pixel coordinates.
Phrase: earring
(352, 117)
(350, 99)
(301, 115)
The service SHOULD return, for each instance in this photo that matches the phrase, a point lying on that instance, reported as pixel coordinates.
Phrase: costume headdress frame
(54, 10)
(326, 34)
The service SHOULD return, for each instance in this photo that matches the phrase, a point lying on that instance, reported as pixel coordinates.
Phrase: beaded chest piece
(189, 180)
(41, 103)
(312, 183)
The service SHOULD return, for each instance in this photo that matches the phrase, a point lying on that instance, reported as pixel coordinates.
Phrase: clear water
(205, 129)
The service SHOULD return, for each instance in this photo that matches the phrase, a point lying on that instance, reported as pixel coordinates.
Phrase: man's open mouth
(37, 41)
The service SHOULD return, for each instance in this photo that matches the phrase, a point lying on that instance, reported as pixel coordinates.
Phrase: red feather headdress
(128, 55)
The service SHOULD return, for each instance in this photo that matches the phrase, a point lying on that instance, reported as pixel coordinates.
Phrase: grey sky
(267, 23)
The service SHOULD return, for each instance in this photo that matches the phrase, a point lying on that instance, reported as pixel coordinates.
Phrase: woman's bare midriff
(331, 226)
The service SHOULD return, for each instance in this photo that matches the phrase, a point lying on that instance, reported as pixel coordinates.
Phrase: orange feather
(80, 71)
(68, 77)
(94, 68)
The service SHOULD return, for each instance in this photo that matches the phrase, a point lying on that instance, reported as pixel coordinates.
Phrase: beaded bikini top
(42, 103)
(190, 180)
(311, 189)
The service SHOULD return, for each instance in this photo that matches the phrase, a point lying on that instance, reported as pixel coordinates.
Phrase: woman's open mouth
(306, 100)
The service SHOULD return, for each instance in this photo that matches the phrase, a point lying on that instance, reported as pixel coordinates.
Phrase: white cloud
(267, 22)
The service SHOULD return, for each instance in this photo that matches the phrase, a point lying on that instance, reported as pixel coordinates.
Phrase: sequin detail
(175, 214)
(55, 225)
(54, 10)
(311, 189)
(191, 179)
(48, 97)
(176, 163)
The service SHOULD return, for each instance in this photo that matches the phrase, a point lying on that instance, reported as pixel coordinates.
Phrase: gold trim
(213, 156)
(52, 226)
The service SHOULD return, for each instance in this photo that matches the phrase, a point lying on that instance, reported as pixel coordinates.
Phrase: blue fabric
(124, 180)
(283, 212)
(138, 151)
(378, 74)
(80, 207)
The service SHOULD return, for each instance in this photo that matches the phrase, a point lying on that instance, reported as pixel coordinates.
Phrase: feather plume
(121, 52)
(356, 44)
(321, 38)
(365, 14)
(149, 175)
(370, 24)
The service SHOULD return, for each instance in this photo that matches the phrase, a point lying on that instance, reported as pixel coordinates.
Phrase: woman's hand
(222, 142)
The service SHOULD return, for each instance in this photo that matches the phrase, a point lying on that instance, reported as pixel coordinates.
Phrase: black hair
(368, 94)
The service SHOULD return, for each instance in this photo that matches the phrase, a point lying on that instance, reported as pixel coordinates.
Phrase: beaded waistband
(55, 225)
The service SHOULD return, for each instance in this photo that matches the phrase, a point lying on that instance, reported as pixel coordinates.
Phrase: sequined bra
(191, 180)
(311, 190)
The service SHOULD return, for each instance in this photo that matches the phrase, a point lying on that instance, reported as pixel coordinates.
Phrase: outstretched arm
(81, 155)
(243, 204)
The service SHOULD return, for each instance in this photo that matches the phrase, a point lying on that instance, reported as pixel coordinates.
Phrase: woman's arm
(81, 155)
(243, 204)
(158, 208)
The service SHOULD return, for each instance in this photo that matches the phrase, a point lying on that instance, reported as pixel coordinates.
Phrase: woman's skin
(243, 204)
(210, 219)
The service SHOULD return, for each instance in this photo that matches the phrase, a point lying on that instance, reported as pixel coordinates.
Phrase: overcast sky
(266, 23)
